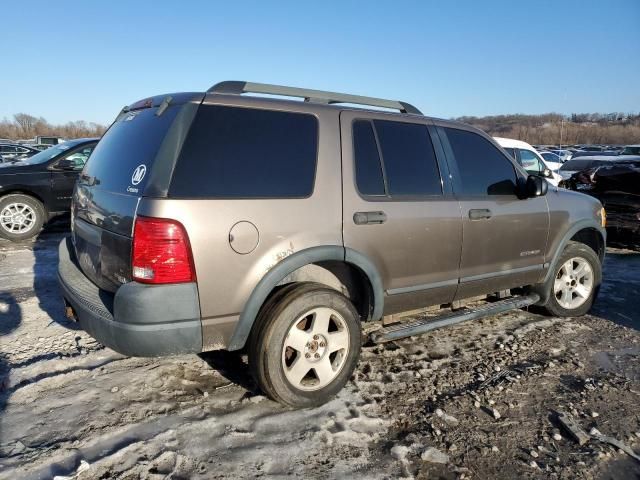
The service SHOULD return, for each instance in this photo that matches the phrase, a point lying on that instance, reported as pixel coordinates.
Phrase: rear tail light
(161, 252)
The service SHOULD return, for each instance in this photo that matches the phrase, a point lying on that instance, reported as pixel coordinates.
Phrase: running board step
(417, 327)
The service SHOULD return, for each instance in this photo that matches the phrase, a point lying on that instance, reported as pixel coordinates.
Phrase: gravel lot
(481, 398)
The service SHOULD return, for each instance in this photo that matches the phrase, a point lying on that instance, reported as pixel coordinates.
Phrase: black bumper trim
(139, 320)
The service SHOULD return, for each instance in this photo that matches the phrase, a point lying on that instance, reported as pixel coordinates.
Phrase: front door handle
(369, 218)
(479, 213)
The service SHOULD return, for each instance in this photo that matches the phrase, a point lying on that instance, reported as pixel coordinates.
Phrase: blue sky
(73, 60)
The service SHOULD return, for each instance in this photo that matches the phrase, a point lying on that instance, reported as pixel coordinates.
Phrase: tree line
(548, 128)
(553, 128)
(24, 126)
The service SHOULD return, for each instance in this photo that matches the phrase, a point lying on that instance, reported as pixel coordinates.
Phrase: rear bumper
(138, 320)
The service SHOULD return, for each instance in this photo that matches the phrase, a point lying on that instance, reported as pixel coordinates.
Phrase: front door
(505, 237)
(398, 211)
(64, 179)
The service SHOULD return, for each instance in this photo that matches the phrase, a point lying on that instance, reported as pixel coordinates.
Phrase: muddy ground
(480, 397)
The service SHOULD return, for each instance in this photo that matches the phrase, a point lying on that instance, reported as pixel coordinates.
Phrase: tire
(294, 359)
(28, 210)
(575, 282)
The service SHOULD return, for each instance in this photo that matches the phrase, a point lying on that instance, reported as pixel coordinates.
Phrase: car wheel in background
(21, 217)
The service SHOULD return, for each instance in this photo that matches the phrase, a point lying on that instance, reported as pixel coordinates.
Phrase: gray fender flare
(543, 288)
(291, 264)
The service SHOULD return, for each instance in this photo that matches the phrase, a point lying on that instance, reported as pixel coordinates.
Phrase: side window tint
(368, 169)
(247, 153)
(530, 162)
(408, 158)
(483, 169)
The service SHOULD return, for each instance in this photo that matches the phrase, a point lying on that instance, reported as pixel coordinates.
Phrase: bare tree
(26, 122)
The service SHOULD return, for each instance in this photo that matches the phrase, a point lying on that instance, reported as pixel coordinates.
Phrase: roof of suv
(282, 95)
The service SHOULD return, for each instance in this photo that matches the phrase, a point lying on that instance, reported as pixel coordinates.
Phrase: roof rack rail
(315, 96)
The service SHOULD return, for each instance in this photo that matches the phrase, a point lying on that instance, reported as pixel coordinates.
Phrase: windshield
(47, 154)
(634, 150)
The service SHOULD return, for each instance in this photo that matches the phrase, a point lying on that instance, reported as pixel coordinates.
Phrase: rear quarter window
(233, 152)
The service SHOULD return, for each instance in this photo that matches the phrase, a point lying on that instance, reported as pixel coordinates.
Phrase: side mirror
(66, 164)
(536, 186)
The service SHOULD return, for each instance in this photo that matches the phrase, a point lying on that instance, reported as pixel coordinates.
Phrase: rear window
(406, 159)
(122, 159)
(233, 152)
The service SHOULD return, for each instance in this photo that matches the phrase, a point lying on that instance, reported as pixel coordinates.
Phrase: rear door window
(404, 165)
(233, 152)
(482, 168)
(409, 159)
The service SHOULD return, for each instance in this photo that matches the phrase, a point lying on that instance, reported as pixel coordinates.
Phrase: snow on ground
(479, 397)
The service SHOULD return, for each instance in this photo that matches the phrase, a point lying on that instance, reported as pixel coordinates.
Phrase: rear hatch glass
(116, 175)
(131, 142)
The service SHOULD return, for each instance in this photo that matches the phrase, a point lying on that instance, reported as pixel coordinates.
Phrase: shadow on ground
(619, 298)
(232, 366)
(10, 319)
(45, 268)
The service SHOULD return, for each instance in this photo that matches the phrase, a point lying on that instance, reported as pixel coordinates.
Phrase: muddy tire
(575, 282)
(21, 217)
(305, 346)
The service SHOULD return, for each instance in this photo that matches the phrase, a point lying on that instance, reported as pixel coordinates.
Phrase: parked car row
(36, 188)
(617, 185)
(9, 151)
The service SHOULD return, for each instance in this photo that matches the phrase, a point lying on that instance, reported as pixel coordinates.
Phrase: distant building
(46, 140)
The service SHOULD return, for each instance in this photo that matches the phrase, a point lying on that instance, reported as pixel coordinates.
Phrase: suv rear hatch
(134, 159)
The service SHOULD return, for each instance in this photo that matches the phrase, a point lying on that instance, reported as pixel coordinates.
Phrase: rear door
(63, 180)
(398, 208)
(505, 237)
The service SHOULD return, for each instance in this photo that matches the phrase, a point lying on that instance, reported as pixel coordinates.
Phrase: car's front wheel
(21, 217)
(306, 345)
(577, 277)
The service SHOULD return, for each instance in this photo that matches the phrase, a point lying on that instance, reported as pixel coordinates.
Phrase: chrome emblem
(138, 174)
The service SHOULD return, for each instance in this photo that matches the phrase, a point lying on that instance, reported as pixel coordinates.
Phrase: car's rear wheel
(576, 280)
(21, 217)
(306, 345)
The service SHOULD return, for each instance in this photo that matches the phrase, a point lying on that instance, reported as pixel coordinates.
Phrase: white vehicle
(530, 159)
(565, 155)
(551, 159)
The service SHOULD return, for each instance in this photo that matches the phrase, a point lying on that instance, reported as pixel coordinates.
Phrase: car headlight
(603, 217)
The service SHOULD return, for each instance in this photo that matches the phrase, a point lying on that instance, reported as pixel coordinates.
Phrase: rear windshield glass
(125, 154)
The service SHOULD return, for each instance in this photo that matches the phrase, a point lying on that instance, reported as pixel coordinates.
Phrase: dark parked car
(617, 186)
(35, 189)
(9, 151)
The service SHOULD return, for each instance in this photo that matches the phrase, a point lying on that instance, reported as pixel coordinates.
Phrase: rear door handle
(479, 213)
(369, 218)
